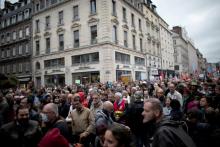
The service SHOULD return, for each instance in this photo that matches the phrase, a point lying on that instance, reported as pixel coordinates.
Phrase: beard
(23, 122)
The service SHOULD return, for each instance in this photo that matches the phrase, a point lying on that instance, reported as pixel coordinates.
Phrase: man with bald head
(51, 119)
(103, 120)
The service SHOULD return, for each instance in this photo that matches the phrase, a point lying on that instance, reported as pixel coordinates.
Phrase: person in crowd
(83, 123)
(22, 132)
(216, 99)
(160, 96)
(3, 109)
(119, 107)
(176, 112)
(27, 102)
(103, 120)
(168, 133)
(167, 108)
(204, 104)
(118, 136)
(134, 118)
(97, 104)
(173, 94)
(51, 119)
(83, 99)
(54, 138)
(64, 106)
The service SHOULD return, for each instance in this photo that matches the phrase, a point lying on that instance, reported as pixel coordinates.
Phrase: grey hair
(54, 108)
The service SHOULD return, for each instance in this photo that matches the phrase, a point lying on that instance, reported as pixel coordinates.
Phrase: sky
(200, 18)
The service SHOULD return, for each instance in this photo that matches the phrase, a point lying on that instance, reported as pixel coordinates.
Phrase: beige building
(181, 56)
(193, 59)
(87, 41)
(167, 50)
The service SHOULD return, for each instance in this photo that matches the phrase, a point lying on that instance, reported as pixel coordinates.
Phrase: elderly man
(82, 122)
(103, 120)
(51, 119)
(173, 94)
(167, 133)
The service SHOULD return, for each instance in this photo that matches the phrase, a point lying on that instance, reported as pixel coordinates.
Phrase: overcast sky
(201, 19)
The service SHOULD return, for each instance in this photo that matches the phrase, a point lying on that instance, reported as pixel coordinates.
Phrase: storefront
(23, 81)
(55, 80)
(86, 77)
(121, 72)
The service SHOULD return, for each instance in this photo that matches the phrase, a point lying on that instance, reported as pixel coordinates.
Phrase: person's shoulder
(8, 126)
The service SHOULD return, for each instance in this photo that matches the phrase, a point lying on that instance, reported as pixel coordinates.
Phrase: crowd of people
(172, 113)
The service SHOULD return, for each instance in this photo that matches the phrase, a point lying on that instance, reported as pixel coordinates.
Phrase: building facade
(193, 59)
(80, 41)
(181, 55)
(15, 42)
(167, 51)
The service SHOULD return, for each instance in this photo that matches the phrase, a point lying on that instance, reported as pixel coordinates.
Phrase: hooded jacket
(171, 134)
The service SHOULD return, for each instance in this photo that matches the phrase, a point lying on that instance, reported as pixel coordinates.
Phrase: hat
(53, 138)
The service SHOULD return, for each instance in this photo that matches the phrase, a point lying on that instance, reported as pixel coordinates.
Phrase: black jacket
(170, 134)
(13, 135)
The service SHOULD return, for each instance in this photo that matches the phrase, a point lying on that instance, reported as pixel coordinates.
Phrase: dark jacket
(170, 134)
(12, 134)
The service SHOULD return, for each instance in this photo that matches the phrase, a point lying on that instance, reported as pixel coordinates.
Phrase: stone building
(15, 40)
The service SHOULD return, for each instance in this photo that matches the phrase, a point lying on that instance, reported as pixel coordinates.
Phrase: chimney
(177, 29)
(154, 8)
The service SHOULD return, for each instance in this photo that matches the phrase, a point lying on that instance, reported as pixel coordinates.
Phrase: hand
(83, 135)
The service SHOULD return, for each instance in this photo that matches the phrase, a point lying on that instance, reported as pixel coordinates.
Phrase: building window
(3, 54)
(134, 43)
(20, 67)
(141, 45)
(139, 61)
(14, 35)
(37, 66)
(114, 34)
(27, 66)
(8, 68)
(132, 20)
(174, 42)
(93, 6)
(85, 58)
(37, 7)
(122, 58)
(54, 63)
(20, 16)
(125, 38)
(76, 38)
(26, 13)
(60, 21)
(27, 31)
(75, 12)
(114, 8)
(47, 3)
(124, 14)
(37, 25)
(20, 49)
(140, 26)
(93, 34)
(14, 66)
(47, 45)
(27, 48)
(61, 42)
(8, 53)
(20, 33)
(14, 19)
(47, 24)
(37, 47)
(8, 37)
(13, 51)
